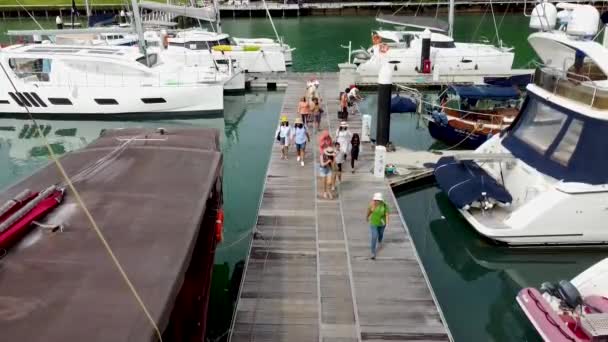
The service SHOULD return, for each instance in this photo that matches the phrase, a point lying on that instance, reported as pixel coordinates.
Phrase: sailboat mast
(451, 19)
(139, 27)
(276, 33)
(88, 8)
(218, 23)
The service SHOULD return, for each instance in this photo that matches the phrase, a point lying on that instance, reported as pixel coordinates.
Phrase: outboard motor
(569, 294)
(425, 52)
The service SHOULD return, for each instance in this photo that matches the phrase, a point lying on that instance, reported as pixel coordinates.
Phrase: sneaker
(373, 257)
(302, 163)
(298, 158)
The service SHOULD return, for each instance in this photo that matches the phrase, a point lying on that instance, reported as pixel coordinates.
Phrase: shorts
(318, 118)
(324, 171)
(305, 118)
(301, 147)
(283, 141)
(339, 165)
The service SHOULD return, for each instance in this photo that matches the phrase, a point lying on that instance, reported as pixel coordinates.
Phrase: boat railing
(123, 80)
(574, 86)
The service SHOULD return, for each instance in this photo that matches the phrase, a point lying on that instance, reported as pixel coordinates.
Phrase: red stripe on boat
(16, 231)
(546, 321)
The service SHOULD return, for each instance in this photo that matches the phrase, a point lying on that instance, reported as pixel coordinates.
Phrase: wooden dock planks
(308, 276)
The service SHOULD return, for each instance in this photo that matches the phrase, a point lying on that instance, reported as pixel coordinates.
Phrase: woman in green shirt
(377, 216)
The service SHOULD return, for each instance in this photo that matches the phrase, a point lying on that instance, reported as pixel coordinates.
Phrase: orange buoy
(219, 225)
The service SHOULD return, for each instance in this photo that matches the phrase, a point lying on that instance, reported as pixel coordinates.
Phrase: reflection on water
(475, 280)
(248, 127)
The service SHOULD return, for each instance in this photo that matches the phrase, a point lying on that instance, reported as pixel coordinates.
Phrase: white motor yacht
(544, 180)
(102, 82)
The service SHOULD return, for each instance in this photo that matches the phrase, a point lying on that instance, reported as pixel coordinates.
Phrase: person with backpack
(377, 216)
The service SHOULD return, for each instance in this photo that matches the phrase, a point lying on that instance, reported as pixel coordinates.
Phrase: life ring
(219, 225)
(383, 48)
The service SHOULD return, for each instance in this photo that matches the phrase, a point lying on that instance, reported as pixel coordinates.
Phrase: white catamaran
(430, 49)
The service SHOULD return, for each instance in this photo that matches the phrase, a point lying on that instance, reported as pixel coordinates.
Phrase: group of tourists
(333, 153)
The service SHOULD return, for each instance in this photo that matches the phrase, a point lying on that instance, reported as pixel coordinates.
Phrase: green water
(248, 128)
(317, 39)
(474, 281)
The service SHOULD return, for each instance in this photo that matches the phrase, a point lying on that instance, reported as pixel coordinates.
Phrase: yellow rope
(96, 228)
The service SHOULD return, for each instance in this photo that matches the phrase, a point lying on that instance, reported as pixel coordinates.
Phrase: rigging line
(503, 16)
(479, 24)
(402, 6)
(88, 214)
(272, 23)
(30, 15)
(495, 27)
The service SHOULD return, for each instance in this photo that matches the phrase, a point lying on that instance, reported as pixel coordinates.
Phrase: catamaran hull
(100, 103)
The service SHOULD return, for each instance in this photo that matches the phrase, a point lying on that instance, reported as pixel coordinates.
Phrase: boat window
(150, 60)
(567, 145)
(443, 45)
(588, 70)
(224, 41)
(31, 69)
(106, 101)
(150, 100)
(60, 101)
(540, 125)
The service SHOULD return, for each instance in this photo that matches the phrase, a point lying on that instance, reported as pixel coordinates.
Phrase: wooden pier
(309, 276)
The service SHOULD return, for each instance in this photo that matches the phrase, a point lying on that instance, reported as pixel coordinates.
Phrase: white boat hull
(84, 102)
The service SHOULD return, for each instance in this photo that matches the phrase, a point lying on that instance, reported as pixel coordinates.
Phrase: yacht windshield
(561, 143)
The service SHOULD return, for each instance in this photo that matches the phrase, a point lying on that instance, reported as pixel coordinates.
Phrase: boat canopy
(157, 224)
(92, 30)
(431, 23)
(202, 13)
(559, 51)
(485, 92)
(561, 143)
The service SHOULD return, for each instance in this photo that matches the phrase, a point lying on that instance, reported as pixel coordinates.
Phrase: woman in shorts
(326, 164)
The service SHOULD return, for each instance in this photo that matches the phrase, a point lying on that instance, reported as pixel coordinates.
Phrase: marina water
(474, 280)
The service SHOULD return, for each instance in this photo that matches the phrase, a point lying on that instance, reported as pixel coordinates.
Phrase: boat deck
(309, 275)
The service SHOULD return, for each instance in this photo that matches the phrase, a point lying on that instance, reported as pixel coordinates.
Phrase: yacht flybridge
(57, 81)
(544, 180)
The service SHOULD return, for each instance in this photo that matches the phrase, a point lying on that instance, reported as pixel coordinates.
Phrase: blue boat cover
(490, 92)
(521, 81)
(464, 182)
(402, 104)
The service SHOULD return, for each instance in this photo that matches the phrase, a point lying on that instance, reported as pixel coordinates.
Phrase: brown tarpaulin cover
(148, 201)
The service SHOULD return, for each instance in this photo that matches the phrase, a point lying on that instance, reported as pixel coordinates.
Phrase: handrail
(571, 85)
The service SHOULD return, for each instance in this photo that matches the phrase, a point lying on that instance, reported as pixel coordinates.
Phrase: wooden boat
(469, 115)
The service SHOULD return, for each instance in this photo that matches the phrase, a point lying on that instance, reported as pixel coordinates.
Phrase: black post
(383, 120)
(425, 52)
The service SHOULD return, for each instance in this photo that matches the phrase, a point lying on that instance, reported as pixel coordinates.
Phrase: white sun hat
(378, 197)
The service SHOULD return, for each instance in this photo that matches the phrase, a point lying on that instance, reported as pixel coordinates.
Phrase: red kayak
(20, 213)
